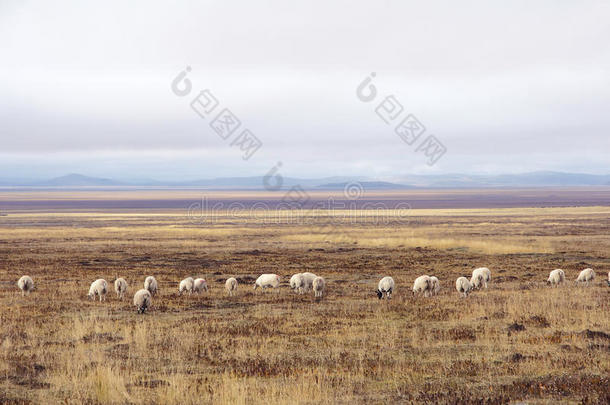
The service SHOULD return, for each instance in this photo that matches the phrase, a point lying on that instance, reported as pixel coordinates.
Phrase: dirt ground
(518, 340)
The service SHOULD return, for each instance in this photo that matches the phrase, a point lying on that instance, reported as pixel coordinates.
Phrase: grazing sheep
(231, 285)
(100, 288)
(120, 287)
(556, 277)
(308, 279)
(26, 285)
(422, 285)
(186, 285)
(297, 283)
(200, 285)
(385, 286)
(142, 300)
(463, 286)
(150, 284)
(585, 276)
(609, 278)
(318, 286)
(436, 285)
(267, 280)
(480, 277)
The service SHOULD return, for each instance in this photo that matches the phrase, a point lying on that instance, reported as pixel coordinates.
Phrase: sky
(504, 87)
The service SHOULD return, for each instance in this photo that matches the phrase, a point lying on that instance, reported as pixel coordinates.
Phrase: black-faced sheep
(26, 285)
(385, 286)
(142, 300)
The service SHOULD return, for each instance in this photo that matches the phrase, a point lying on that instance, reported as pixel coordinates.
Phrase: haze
(507, 87)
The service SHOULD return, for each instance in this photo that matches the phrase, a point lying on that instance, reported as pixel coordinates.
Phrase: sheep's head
(379, 294)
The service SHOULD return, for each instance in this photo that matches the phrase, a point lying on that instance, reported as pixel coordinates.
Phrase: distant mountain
(533, 179)
(452, 180)
(366, 185)
(77, 180)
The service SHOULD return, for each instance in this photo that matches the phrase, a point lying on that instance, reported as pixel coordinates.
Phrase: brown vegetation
(518, 340)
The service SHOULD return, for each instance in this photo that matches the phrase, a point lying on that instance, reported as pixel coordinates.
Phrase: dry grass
(518, 340)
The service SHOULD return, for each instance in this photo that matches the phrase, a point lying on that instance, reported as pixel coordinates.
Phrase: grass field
(518, 340)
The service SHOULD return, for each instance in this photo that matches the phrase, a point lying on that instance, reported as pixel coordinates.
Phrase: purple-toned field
(130, 199)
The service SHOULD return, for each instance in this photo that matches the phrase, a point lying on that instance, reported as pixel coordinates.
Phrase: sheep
(186, 285)
(267, 280)
(556, 277)
(385, 286)
(231, 285)
(318, 286)
(142, 300)
(26, 285)
(463, 286)
(297, 283)
(480, 277)
(150, 284)
(308, 279)
(120, 287)
(585, 276)
(436, 285)
(608, 278)
(200, 285)
(422, 284)
(100, 288)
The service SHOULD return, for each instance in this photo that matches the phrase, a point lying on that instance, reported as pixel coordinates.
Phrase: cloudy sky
(506, 87)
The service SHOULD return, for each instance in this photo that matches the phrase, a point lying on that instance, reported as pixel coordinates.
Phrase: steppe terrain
(519, 340)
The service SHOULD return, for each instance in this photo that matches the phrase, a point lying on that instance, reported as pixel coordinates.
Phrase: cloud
(497, 83)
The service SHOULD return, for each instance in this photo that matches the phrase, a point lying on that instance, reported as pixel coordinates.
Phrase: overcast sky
(506, 87)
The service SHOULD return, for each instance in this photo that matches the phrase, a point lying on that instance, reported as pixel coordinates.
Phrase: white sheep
(120, 287)
(385, 286)
(142, 300)
(480, 277)
(556, 277)
(26, 285)
(150, 284)
(308, 279)
(231, 285)
(186, 285)
(463, 286)
(318, 286)
(200, 285)
(99, 287)
(585, 276)
(267, 280)
(436, 285)
(609, 278)
(422, 285)
(297, 283)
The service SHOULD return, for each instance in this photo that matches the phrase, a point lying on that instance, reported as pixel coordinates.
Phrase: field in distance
(517, 340)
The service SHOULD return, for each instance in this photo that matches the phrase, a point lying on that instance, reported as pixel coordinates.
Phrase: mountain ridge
(450, 180)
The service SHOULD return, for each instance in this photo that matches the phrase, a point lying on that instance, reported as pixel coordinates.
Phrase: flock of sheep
(301, 283)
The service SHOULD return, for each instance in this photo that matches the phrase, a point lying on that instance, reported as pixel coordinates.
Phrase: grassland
(518, 340)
